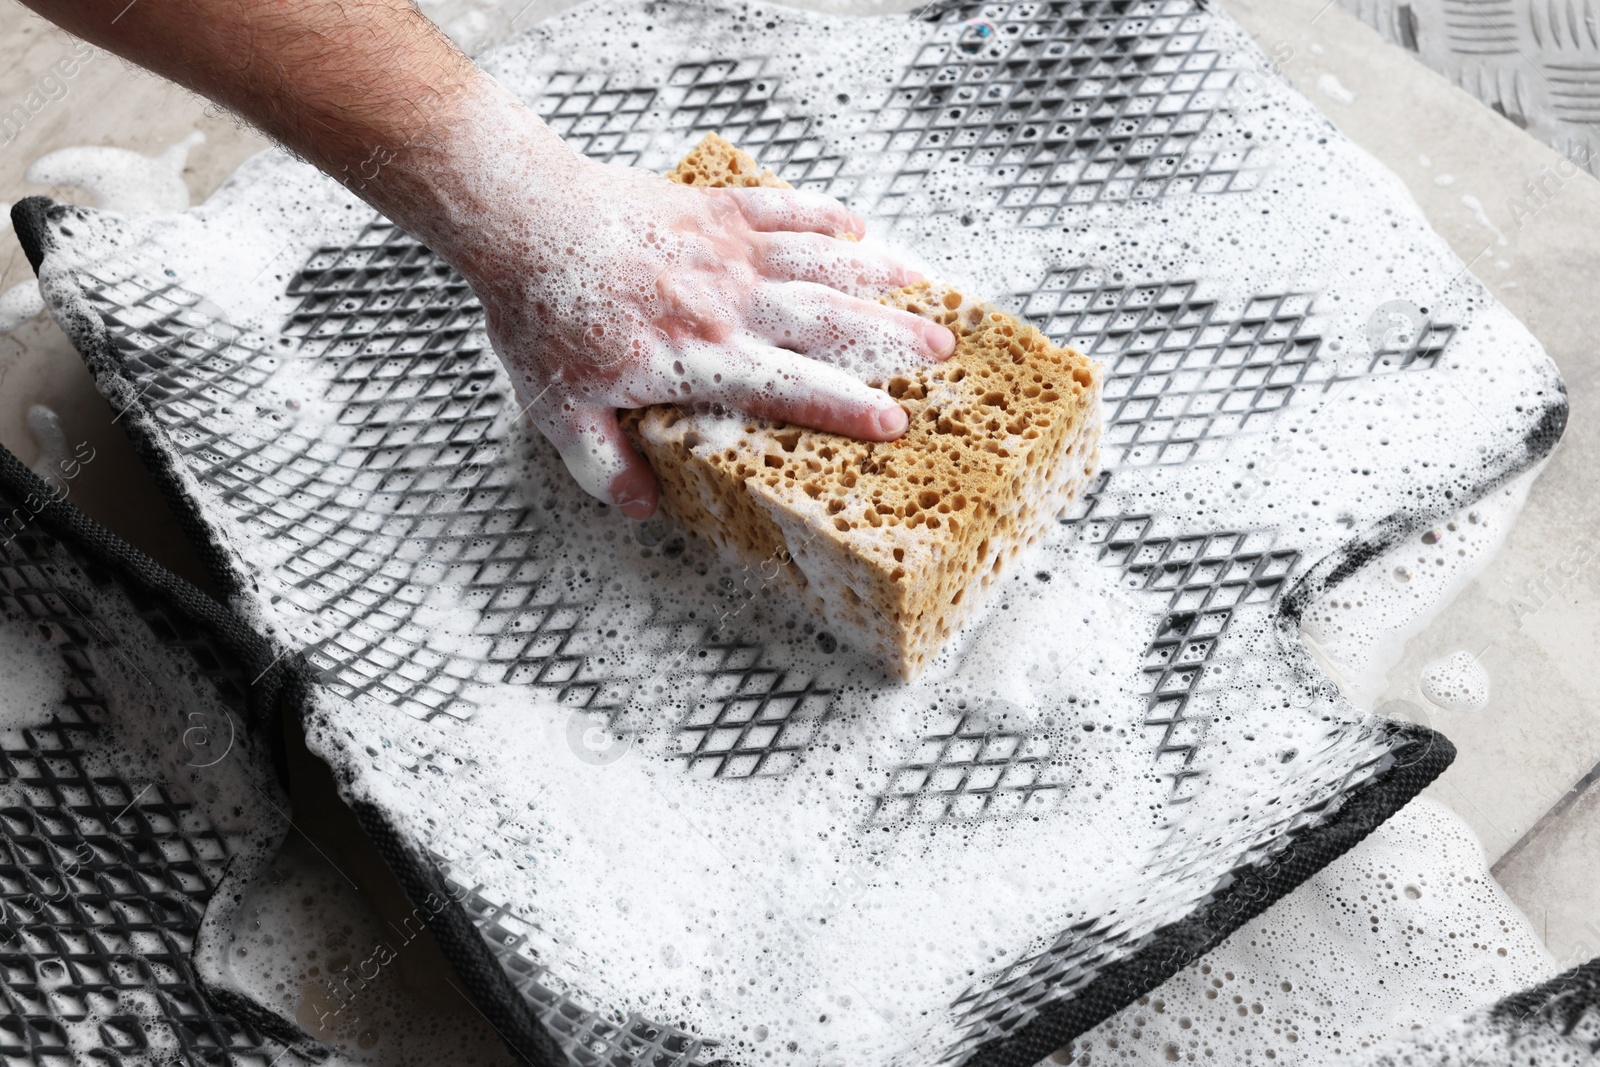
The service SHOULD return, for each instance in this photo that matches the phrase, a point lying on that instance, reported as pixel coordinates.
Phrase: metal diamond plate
(1537, 62)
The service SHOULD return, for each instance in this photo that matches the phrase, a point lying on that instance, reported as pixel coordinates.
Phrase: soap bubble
(1457, 682)
(975, 33)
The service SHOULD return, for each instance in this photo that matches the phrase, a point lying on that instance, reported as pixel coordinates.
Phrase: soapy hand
(605, 288)
(622, 289)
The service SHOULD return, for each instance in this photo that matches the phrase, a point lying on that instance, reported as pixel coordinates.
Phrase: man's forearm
(368, 90)
(602, 287)
(332, 80)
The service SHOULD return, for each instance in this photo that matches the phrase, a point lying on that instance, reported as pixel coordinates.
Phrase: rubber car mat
(662, 819)
(139, 792)
(1555, 1022)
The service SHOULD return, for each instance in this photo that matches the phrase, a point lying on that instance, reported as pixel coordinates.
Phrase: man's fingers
(828, 325)
(603, 461)
(776, 384)
(769, 209)
(843, 265)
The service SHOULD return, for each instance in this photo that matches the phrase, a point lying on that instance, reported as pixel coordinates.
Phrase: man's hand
(626, 290)
(604, 287)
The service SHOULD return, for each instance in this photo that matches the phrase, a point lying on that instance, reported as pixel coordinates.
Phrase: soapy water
(1360, 629)
(1409, 927)
(306, 945)
(51, 439)
(1076, 656)
(1330, 86)
(18, 304)
(36, 685)
(116, 179)
(1457, 682)
(23, 301)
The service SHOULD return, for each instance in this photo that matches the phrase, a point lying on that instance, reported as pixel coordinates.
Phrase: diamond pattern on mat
(1410, 351)
(1060, 105)
(970, 771)
(1018, 993)
(599, 115)
(198, 375)
(752, 719)
(103, 882)
(588, 1037)
(731, 95)
(1181, 376)
(617, 122)
(1206, 579)
(1071, 962)
(1069, 104)
(396, 327)
(416, 496)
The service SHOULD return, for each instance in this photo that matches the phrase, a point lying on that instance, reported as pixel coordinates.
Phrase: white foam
(1406, 929)
(712, 884)
(1330, 86)
(35, 679)
(306, 944)
(45, 425)
(1457, 682)
(1482, 218)
(18, 304)
(1360, 629)
(119, 179)
(791, 926)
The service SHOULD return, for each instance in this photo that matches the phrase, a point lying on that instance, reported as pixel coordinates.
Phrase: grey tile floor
(1526, 778)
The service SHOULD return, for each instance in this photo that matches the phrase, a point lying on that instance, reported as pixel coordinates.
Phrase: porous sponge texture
(893, 543)
(716, 164)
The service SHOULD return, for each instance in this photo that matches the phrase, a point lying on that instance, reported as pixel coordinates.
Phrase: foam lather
(894, 543)
(672, 823)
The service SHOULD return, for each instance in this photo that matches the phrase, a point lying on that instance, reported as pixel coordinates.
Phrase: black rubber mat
(1555, 1023)
(132, 807)
(315, 393)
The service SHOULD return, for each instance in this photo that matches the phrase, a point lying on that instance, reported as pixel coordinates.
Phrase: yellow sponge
(892, 543)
